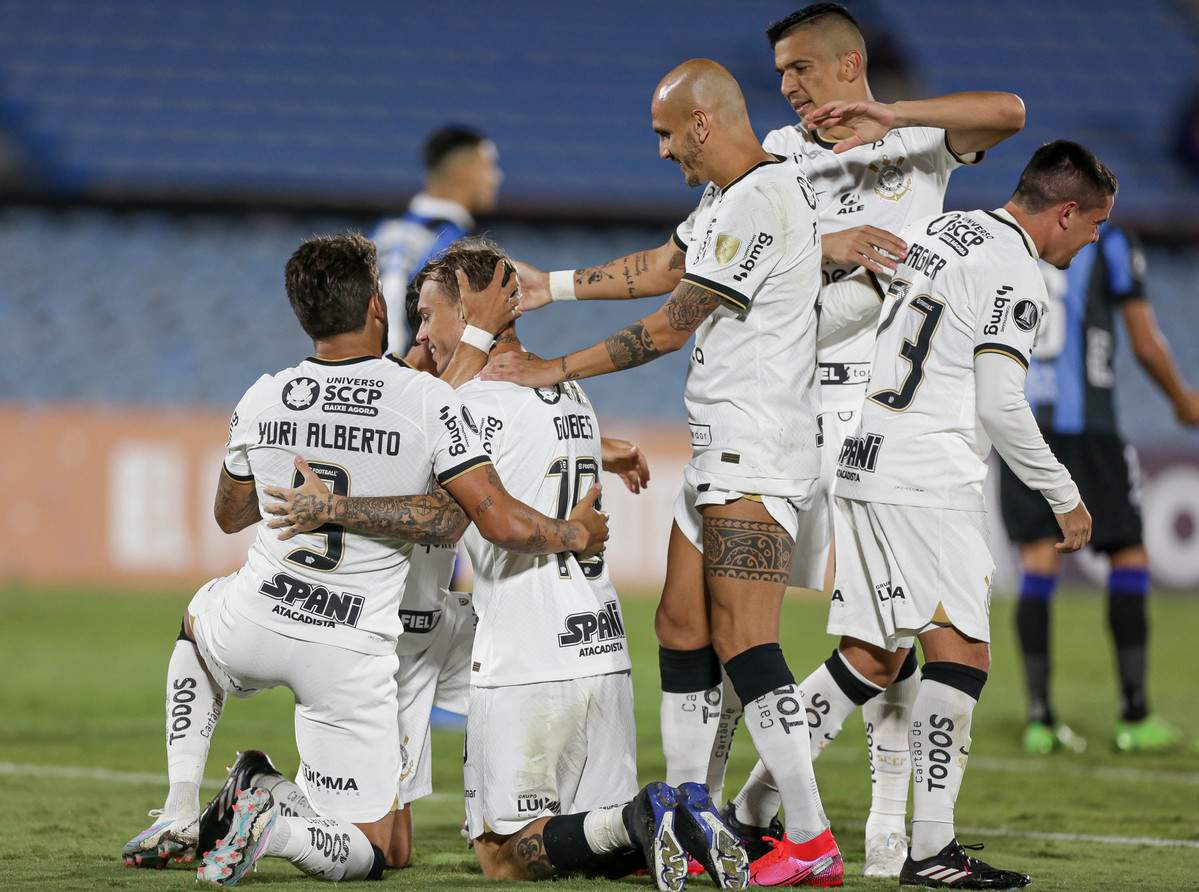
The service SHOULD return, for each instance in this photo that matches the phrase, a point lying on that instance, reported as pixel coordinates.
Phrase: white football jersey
(888, 184)
(541, 617)
(367, 427)
(422, 610)
(751, 386)
(969, 285)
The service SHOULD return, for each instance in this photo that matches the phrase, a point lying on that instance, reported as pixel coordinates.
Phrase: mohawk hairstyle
(809, 15)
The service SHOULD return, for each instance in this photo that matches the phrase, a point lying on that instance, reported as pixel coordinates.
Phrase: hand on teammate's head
(534, 286)
(495, 307)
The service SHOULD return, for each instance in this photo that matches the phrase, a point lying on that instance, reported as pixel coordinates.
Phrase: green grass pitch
(82, 690)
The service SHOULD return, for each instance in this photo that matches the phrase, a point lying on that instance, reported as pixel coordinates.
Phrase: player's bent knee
(679, 629)
(1134, 558)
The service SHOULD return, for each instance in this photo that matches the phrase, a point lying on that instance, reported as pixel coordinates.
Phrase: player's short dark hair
(441, 143)
(809, 15)
(475, 256)
(330, 281)
(1063, 171)
(411, 299)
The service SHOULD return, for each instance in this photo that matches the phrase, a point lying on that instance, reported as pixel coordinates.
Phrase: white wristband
(477, 338)
(562, 285)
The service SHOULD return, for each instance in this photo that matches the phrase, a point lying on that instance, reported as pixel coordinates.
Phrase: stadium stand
(132, 97)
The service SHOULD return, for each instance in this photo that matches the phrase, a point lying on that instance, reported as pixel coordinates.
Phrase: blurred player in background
(462, 180)
(947, 382)
(550, 755)
(1071, 386)
(874, 167)
(749, 284)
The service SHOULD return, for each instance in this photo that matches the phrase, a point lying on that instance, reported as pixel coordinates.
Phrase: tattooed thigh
(749, 550)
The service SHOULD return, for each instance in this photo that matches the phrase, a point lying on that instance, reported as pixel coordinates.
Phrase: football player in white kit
(550, 769)
(748, 293)
(913, 561)
(320, 615)
(866, 189)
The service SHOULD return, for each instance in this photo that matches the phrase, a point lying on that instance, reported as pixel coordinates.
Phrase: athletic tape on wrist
(477, 338)
(562, 285)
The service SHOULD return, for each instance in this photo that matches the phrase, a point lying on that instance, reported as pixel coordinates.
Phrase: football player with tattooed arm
(550, 764)
(874, 167)
(748, 293)
(320, 615)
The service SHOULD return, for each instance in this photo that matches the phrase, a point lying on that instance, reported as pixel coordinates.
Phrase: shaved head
(701, 84)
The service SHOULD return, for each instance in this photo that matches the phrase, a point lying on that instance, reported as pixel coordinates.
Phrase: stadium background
(160, 161)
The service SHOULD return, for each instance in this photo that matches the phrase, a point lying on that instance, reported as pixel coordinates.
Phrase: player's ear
(701, 124)
(377, 308)
(1065, 213)
(851, 66)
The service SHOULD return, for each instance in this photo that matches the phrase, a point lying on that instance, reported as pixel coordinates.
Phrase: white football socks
(289, 798)
(887, 718)
(939, 738)
(828, 704)
(604, 830)
(193, 708)
(688, 729)
(722, 742)
(324, 848)
(759, 800)
(778, 725)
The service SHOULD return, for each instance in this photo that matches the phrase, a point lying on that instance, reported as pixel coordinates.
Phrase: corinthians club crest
(893, 181)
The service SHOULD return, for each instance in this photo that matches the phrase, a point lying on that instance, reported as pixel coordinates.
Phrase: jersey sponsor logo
(851, 203)
(1026, 315)
(999, 311)
(419, 621)
(893, 181)
(601, 631)
(727, 248)
(533, 804)
(844, 372)
(321, 781)
(763, 241)
(886, 592)
(899, 289)
(861, 452)
(457, 437)
(232, 428)
(300, 393)
(311, 604)
(470, 421)
(490, 427)
(701, 434)
(959, 232)
(932, 751)
(809, 194)
(352, 396)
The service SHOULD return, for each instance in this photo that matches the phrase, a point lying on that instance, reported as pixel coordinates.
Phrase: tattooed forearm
(749, 550)
(531, 856)
(678, 260)
(688, 306)
(236, 505)
(430, 519)
(631, 346)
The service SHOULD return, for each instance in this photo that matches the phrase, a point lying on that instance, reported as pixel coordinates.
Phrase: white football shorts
(816, 525)
(902, 570)
(550, 748)
(437, 676)
(345, 717)
(699, 490)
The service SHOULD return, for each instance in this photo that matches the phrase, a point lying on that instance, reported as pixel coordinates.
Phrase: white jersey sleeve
(1008, 321)
(743, 247)
(242, 435)
(1008, 421)
(682, 233)
(451, 435)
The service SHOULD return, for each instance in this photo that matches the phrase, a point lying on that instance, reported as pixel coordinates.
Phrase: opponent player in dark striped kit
(1071, 386)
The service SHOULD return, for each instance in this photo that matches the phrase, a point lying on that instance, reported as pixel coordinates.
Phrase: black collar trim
(350, 361)
(1017, 229)
(778, 159)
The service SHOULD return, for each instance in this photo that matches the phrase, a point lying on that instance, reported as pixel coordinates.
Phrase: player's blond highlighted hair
(475, 256)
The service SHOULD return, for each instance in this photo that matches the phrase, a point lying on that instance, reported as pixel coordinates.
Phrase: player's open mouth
(802, 108)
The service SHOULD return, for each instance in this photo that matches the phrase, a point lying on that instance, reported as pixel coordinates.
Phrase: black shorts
(1107, 476)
